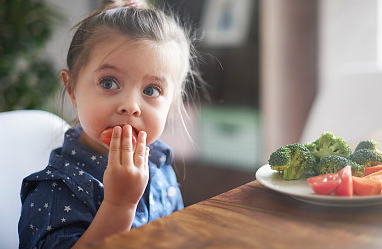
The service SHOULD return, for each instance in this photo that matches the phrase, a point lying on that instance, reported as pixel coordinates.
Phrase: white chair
(26, 139)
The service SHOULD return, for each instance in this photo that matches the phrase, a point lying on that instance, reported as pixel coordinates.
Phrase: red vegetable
(372, 169)
(365, 186)
(324, 184)
(346, 186)
(106, 136)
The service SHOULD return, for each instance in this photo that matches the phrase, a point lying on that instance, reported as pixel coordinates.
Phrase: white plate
(300, 190)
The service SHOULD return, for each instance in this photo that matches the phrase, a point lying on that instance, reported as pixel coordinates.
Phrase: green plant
(26, 76)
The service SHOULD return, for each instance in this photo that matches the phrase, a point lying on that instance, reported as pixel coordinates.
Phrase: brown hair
(139, 22)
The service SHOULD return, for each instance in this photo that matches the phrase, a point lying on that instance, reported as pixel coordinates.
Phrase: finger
(115, 144)
(127, 145)
(146, 165)
(140, 151)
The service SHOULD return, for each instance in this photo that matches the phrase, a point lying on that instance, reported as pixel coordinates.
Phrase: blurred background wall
(280, 71)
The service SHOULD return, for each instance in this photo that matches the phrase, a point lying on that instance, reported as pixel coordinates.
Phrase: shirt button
(171, 191)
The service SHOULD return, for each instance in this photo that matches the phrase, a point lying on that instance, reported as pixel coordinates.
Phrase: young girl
(127, 70)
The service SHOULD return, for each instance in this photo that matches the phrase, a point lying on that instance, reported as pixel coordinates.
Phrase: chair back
(26, 140)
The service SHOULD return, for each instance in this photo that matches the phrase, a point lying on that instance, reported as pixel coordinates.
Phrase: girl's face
(123, 82)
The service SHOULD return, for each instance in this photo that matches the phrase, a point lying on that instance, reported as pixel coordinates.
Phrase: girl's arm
(125, 180)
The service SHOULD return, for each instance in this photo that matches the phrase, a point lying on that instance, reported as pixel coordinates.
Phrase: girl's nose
(130, 108)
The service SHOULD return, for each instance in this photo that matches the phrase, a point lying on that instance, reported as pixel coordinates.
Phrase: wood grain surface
(252, 216)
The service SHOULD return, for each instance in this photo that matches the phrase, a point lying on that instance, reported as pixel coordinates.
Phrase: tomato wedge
(346, 186)
(324, 184)
(366, 186)
(106, 136)
(372, 169)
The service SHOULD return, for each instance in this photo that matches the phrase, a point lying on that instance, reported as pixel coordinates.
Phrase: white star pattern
(78, 167)
(171, 192)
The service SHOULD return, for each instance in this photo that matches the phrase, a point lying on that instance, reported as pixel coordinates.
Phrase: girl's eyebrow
(107, 66)
(157, 78)
(161, 80)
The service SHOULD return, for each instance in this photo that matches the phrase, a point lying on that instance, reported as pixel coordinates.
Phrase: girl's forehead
(121, 49)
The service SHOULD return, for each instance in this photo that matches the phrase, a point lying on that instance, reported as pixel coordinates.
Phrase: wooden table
(252, 216)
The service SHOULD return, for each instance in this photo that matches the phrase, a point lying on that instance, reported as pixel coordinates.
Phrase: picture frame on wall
(226, 23)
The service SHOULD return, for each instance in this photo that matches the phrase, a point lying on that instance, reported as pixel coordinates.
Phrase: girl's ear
(65, 76)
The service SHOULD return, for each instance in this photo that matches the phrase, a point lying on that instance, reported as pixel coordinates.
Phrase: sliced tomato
(372, 169)
(366, 186)
(346, 186)
(106, 136)
(324, 184)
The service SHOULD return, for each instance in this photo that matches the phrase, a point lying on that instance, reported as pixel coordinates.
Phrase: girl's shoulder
(64, 174)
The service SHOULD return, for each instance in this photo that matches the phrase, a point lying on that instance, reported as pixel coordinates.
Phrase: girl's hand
(127, 173)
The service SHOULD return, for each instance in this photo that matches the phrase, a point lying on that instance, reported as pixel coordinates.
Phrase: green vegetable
(328, 144)
(292, 160)
(366, 157)
(334, 163)
(370, 144)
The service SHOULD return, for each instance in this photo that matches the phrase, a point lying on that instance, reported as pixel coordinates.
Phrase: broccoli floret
(370, 144)
(333, 163)
(328, 144)
(292, 160)
(366, 157)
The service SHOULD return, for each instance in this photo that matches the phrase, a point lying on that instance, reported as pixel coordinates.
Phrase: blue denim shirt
(60, 202)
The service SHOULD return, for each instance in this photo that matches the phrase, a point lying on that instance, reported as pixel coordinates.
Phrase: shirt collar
(94, 163)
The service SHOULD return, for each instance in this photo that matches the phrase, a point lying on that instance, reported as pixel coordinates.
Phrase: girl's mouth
(106, 136)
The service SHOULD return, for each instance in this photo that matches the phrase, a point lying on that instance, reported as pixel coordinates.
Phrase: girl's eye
(152, 91)
(109, 84)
